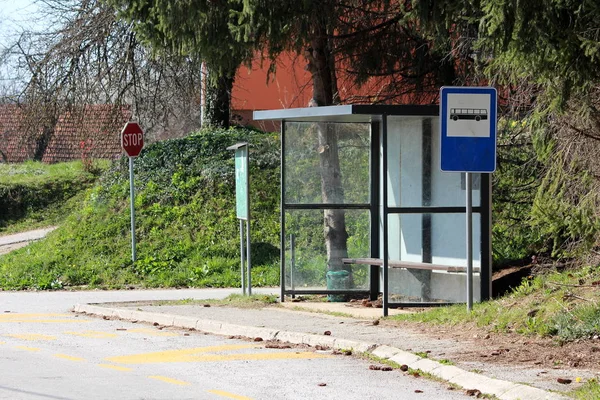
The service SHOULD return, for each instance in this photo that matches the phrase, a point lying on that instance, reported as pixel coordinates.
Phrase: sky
(14, 13)
(15, 16)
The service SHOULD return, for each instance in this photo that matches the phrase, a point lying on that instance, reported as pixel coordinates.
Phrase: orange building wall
(288, 87)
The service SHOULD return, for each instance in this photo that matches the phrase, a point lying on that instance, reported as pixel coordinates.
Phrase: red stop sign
(132, 139)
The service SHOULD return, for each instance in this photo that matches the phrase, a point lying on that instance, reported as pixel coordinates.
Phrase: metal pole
(293, 266)
(386, 252)
(248, 263)
(486, 236)
(469, 242)
(282, 216)
(248, 237)
(242, 256)
(132, 202)
(375, 213)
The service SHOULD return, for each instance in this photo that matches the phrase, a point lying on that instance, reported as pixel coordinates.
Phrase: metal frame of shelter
(377, 117)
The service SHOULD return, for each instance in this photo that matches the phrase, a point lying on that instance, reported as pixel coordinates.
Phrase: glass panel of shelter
(415, 178)
(306, 255)
(440, 250)
(305, 149)
(426, 220)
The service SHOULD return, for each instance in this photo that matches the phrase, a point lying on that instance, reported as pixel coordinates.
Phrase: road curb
(504, 390)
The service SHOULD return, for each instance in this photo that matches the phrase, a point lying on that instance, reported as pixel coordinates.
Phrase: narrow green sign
(241, 183)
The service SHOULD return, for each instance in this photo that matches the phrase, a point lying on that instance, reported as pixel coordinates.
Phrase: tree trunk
(218, 100)
(323, 79)
(41, 120)
(41, 143)
(333, 192)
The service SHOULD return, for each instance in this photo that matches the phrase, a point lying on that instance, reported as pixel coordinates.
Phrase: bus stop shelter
(367, 211)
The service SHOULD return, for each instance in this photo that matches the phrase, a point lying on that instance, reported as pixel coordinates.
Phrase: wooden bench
(406, 264)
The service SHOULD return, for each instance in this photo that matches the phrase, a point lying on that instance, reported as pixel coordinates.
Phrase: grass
(52, 215)
(563, 306)
(35, 195)
(589, 390)
(33, 173)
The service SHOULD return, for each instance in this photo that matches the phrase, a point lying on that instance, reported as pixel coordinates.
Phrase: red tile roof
(91, 131)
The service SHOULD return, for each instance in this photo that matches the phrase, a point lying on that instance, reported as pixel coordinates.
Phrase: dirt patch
(508, 349)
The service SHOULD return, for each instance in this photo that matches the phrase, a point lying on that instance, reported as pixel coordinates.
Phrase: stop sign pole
(132, 142)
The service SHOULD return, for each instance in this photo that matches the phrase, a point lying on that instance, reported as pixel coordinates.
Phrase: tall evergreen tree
(545, 56)
(363, 39)
(200, 29)
(556, 44)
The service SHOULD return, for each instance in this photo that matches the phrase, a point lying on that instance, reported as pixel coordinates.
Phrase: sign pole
(248, 262)
(132, 203)
(242, 208)
(132, 142)
(469, 234)
(242, 256)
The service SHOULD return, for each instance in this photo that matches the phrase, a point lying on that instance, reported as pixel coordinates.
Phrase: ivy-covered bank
(186, 227)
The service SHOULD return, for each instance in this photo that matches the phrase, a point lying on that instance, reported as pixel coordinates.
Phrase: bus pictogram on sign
(477, 114)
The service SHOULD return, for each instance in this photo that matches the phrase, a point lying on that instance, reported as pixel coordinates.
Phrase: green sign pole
(242, 200)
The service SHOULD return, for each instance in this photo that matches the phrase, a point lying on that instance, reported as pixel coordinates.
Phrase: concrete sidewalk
(28, 236)
(355, 330)
(15, 241)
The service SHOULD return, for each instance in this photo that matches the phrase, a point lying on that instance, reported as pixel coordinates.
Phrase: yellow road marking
(32, 337)
(93, 334)
(230, 395)
(115, 367)
(175, 355)
(27, 348)
(9, 316)
(47, 318)
(192, 355)
(70, 358)
(152, 332)
(169, 380)
(1, 342)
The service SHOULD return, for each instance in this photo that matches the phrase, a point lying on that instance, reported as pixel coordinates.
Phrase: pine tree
(199, 29)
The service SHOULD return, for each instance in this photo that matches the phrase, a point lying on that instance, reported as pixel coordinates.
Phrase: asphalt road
(46, 352)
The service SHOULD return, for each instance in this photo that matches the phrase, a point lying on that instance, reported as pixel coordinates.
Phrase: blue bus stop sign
(468, 127)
